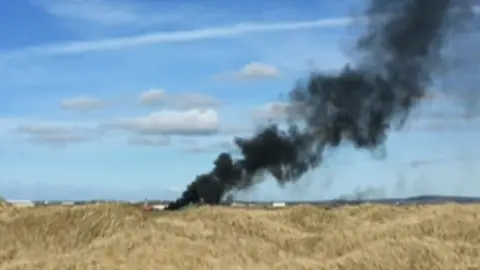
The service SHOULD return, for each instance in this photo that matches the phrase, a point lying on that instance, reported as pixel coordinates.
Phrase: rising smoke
(401, 51)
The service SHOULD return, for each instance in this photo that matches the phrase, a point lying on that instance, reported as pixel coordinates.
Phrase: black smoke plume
(401, 51)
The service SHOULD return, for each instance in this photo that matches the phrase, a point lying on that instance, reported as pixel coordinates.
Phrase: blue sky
(129, 99)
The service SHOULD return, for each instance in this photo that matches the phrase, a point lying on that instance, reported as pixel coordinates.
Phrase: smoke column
(400, 51)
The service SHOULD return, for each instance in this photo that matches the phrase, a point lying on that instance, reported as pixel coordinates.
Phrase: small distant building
(279, 204)
(68, 203)
(21, 203)
(236, 204)
(159, 207)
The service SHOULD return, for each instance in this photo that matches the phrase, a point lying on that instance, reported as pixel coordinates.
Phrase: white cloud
(258, 70)
(81, 103)
(196, 146)
(272, 111)
(443, 124)
(153, 97)
(56, 134)
(186, 100)
(476, 9)
(76, 47)
(194, 100)
(236, 130)
(172, 122)
(251, 71)
(149, 140)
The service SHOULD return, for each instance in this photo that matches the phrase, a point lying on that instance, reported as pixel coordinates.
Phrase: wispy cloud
(253, 70)
(82, 103)
(78, 47)
(101, 12)
(149, 141)
(171, 122)
(56, 134)
(271, 111)
(184, 100)
(153, 97)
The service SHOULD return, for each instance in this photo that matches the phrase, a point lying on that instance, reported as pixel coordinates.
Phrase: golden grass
(3, 202)
(304, 237)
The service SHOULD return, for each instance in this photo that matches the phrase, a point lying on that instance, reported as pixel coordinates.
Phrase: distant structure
(279, 204)
(236, 204)
(68, 203)
(158, 207)
(21, 203)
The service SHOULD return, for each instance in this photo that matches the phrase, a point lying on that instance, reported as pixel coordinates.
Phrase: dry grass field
(302, 237)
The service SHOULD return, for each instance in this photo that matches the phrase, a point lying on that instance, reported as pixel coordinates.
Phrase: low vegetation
(3, 202)
(113, 236)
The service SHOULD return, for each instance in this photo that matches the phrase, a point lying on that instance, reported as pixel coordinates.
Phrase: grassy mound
(3, 202)
(303, 237)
